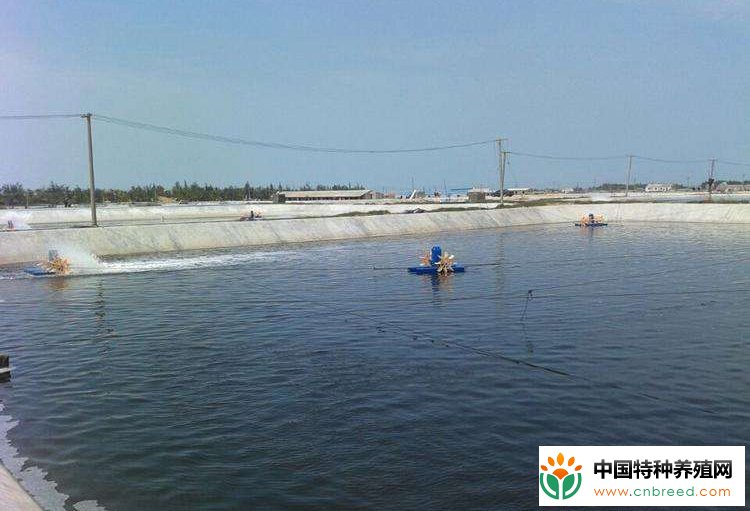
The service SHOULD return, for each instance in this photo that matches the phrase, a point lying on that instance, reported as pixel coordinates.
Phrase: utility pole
(92, 189)
(627, 181)
(501, 155)
(505, 163)
(711, 177)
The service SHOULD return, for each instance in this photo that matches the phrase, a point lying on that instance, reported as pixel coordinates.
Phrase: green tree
(13, 194)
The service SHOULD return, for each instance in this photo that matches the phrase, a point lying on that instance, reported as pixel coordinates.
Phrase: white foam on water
(83, 262)
(191, 262)
(12, 275)
(33, 479)
(88, 505)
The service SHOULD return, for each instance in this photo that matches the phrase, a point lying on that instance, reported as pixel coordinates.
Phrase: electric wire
(307, 148)
(566, 158)
(735, 163)
(275, 145)
(661, 160)
(33, 117)
(604, 158)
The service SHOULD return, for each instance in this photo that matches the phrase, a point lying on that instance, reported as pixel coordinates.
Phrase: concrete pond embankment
(12, 496)
(122, 240)
(126, 214)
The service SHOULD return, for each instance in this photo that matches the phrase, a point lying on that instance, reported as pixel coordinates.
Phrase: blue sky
(669, 79)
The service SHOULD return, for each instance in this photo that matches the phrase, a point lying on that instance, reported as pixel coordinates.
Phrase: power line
(661, 160)
(612, 157)
(34, 117)
(306, 148)
(274, 145)
(736, 163)
(566, 158)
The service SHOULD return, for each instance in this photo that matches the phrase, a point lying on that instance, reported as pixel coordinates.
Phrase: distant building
(477, 195)
(567, 190)
(658, 187)
(732, 188)
(324, 195)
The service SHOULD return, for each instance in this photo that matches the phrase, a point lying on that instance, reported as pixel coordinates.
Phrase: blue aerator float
(38, 271)
(54, 265)
(437, 263)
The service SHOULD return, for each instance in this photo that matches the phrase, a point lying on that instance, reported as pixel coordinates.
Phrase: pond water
(300, 377)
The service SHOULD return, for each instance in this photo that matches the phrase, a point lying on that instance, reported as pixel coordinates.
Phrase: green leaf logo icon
(562, 482)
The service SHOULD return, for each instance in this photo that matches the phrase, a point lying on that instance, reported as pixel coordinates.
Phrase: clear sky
(668, 79)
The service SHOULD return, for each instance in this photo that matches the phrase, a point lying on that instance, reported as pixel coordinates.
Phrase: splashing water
(188, 262)
(18, 220)
(83, 262)
(80, 260)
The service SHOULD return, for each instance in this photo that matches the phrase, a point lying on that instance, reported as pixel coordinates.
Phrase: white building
(733, 188)
(325, 195)
(658, 187)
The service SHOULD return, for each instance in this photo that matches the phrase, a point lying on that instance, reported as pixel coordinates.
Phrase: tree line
(14, 195)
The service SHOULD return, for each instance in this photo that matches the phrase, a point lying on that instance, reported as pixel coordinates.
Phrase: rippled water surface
(298, 377)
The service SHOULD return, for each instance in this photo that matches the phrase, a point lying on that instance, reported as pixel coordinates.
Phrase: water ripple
(302, 378)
